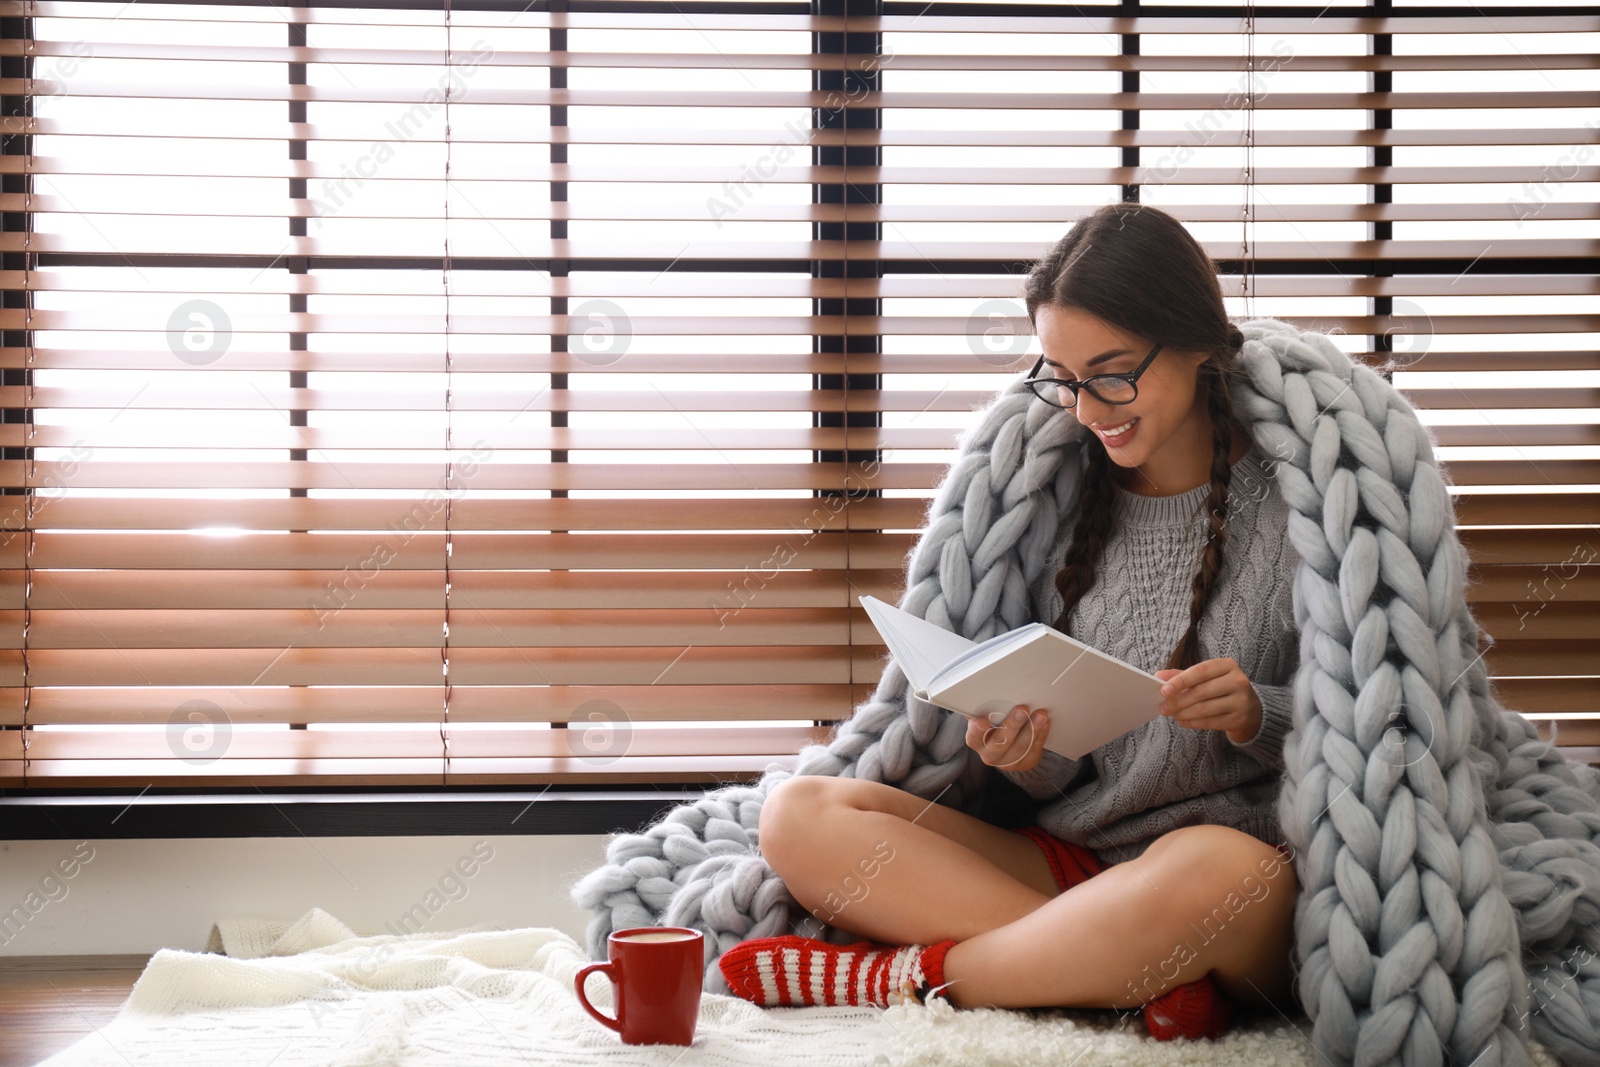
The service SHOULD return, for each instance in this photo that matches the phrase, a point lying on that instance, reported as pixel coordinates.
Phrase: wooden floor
(49, 1002)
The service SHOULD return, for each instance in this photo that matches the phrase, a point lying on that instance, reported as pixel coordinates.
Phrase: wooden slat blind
(483, 395)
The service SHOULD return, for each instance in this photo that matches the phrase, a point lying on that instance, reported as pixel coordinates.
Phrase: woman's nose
(1089, 409)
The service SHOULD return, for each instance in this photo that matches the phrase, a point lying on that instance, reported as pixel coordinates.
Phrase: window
(494, 396)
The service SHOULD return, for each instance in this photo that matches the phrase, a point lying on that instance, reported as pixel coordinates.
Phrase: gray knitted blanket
(1448, 859)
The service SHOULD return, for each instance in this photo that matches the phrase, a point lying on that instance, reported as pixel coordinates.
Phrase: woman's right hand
(1017, 744)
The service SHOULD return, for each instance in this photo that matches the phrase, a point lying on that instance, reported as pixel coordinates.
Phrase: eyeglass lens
(1107, 390)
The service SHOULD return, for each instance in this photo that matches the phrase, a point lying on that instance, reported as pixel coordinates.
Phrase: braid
(1089, 534)
(1218, 403)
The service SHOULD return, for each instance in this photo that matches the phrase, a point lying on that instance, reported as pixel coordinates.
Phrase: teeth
(1119, 430)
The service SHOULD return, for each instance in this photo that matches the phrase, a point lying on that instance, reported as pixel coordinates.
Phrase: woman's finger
(1210, 689)
(976, 731)
(1225, 721)
(1204, 671)
(989, 739)
(1011, 744)
(1206, 711)
(1027, 746)
(995, 739)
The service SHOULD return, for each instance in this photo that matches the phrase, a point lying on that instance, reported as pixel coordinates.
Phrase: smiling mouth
(1116, 433)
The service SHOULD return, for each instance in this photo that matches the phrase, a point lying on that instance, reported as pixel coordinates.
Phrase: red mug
(656, 974)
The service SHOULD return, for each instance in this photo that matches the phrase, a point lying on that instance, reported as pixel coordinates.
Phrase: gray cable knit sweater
(1123, 795)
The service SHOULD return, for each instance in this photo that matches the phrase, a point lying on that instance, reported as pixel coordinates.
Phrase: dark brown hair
(1136, 268)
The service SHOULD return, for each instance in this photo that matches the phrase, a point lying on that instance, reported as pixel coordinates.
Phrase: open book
(1091, 697)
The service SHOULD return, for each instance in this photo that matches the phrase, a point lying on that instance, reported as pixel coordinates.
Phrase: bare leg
(879, 862)
(884, 864)
(1199, 900)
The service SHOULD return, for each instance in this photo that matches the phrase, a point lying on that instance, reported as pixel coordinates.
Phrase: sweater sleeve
(1050, 777)
(1277, 718)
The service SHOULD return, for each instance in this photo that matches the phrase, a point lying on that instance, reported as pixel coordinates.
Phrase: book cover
(1092, 697)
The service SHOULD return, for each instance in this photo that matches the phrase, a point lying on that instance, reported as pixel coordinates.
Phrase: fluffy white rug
(315, 992)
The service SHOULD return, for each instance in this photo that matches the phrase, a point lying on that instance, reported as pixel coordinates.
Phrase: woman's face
(1170, 437)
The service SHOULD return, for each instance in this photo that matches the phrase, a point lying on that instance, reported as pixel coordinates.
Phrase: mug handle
(610, 971)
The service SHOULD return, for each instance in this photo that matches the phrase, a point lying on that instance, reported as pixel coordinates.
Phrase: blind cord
(449, 466)
(1247, 267)
(845, 308)
(30, 451)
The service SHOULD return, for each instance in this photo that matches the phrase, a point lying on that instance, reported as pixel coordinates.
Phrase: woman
(1154, 873)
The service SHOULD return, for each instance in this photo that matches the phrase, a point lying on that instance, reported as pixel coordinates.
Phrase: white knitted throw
(1448, 858)
(314, 993)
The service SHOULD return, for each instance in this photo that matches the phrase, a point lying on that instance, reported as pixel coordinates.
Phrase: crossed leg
(889, 866)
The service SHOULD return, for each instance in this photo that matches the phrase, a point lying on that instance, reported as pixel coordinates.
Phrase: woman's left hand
(1214, 694)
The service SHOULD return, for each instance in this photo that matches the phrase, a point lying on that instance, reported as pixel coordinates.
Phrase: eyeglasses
(1106, 388)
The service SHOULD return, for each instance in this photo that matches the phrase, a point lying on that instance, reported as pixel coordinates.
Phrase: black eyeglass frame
(1132, 378)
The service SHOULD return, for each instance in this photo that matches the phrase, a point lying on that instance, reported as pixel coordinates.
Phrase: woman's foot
(797, 971)
(1194, 1010)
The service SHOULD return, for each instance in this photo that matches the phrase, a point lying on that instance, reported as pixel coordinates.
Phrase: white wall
(127, 896)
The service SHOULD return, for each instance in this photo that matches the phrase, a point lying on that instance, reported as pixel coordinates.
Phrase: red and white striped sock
(796, 971)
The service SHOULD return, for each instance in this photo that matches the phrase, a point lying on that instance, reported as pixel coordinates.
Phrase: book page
(983, 652)
(920, 647)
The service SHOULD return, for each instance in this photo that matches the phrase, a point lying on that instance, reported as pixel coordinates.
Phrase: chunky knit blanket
(1448, 858)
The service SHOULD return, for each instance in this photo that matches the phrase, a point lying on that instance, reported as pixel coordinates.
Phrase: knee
(1215, 859)
(792, 811)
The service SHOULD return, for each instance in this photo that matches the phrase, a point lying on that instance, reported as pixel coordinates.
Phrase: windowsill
(325, 813)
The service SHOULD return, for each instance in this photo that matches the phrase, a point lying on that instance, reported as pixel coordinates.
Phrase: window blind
(490, 395)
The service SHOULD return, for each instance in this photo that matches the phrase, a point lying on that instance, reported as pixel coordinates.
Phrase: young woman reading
(1153, 875)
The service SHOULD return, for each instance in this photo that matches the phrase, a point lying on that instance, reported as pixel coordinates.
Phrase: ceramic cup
(655, 974)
